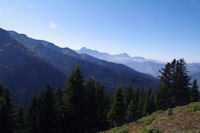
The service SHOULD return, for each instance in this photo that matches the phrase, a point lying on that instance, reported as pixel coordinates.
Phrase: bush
(158, 112)
(153, 130)
(146, 120)
(193, 107)
(170, 112)
(119, 130)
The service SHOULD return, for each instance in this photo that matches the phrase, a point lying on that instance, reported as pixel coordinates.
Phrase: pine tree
(194, 95)
(91, 105)
(131, 112)
(128, 95)
(46, 112)
(32, 120)
(19, 120)
(174, 86)
(59, 111)
(5, 120)
(141, 103)
(74, 100)
(182, 83)
(136, 101)
(6, 111)
(147, 102)
(116, 114)
(102, 107)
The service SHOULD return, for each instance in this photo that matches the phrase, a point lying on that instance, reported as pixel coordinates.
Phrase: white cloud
(52, 25)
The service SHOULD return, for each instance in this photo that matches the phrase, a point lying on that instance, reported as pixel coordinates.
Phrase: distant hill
(64, 59)
(139, 63)
(23, 71)
(183, 119)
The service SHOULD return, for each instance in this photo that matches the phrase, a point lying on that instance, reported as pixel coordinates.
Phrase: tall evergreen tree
(182, 83)
(128, 95)
(102, 107)
(116, 114)
(136, 102)
(131, 112)
(32, 122)
(74, 100)
(91, 106)
(5, 118)
(141, 103)
(59, 111)
(46, 112)
(19, 120)
(148, 106)
(6, 111)
(194, 95)
(174, 86)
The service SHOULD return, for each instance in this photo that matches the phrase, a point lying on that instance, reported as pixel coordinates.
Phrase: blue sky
(156, 29)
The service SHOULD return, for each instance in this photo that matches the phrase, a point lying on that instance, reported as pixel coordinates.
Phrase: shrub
(158, 112)
(117, 130)
(170, 112)
(146, 120)
(193, 107)
(152, 130)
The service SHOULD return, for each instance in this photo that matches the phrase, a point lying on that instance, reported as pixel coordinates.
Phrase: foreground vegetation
(181, 119)
(85, 107)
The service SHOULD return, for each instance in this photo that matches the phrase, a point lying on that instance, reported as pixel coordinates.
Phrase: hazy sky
(156, 29)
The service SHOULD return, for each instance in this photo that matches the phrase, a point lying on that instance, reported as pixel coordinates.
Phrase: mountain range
(27, 64)
(140, 64)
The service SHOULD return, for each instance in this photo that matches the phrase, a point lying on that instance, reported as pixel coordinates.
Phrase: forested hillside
(23, 71)
(65, 59)
(85, 107)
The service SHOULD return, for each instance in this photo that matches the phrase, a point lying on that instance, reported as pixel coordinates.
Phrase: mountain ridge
(23, 71)
(64, 59)
(140, 64)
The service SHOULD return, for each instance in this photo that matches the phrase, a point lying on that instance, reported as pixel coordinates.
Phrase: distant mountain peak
(122, 55)
(84, 48)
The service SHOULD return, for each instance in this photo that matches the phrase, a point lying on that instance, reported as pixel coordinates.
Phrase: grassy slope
(183, 119)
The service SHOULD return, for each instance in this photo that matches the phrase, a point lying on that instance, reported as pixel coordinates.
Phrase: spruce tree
(116, 114)
(141, 103)
(19, 120)
(194, 95)
(6, 111)
(32, 120)
(131, 112)
(182, 83)
(59, 111)
(46, 112)
(5, 118)
(174, 88)
(91, 106)
(74, 100)
(136, 101)
(148, 106)
(128, 95)
(102, 107)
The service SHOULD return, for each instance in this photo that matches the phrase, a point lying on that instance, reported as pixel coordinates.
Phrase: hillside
(140, 64)
(65, 59)
(183, 119)
(23, 71)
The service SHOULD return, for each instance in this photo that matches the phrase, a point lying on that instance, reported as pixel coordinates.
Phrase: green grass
(146, 120)
(152, 130)
(181, 119)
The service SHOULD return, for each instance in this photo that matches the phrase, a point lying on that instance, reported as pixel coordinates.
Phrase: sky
(154, 29)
